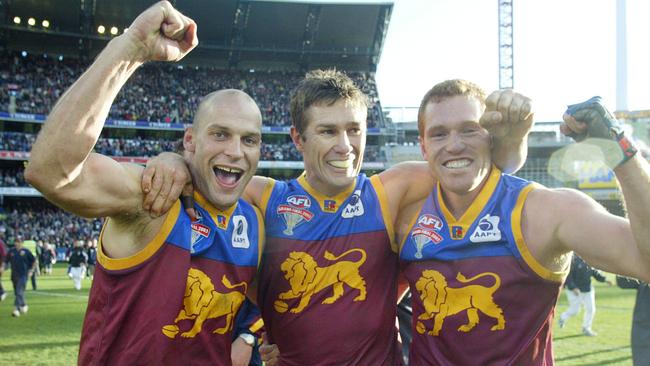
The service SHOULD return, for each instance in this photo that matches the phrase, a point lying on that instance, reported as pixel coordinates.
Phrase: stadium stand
(265, 56)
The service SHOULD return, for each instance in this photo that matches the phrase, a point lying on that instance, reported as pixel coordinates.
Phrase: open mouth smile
(228, 176)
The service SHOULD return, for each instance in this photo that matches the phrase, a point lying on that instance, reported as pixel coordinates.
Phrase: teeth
(341, 163)
(455, 164)
(229, 170)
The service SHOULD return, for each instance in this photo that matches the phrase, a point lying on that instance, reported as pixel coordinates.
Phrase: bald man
(166, 289)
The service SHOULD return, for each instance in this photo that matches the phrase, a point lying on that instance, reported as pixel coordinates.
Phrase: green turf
(49, 333)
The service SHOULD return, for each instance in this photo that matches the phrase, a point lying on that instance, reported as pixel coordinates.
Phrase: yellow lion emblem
(202, 302)
(441, 301)
(306, 278)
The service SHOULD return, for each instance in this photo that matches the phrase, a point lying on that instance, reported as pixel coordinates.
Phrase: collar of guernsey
(322, 198)
(210, 216)
(220, 217)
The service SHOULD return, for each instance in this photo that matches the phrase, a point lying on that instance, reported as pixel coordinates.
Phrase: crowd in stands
(140, 147)
(40, 220)
(157, 92)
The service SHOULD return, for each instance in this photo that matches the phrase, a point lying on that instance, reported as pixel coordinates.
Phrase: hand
(591, 120)
(576, 291)
(162, 33)
(240, 353)
(165, 178)
(269, 353)
(508, 115)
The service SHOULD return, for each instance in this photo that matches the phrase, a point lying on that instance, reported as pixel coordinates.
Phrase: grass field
(49, 333)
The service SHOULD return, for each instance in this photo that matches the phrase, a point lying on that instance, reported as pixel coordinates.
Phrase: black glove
(601, 124)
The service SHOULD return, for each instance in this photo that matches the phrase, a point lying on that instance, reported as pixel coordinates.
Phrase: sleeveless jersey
(479, 296)
(175, 301)
(327, 284)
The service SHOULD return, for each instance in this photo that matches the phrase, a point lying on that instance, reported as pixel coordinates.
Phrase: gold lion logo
(441, 301)
(203, 302)
(306, 278)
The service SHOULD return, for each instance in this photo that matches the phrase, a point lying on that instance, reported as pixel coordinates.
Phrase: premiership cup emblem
(295, 212)
(425, 232)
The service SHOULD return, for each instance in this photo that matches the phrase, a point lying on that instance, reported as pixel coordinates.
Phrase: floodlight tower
(506, 52)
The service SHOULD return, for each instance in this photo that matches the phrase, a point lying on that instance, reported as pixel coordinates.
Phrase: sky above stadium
(564, 51)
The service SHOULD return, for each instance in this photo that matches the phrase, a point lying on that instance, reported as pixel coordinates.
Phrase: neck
(459, 202)
(325, 189)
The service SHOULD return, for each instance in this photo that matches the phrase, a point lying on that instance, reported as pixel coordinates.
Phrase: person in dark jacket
(580, 292)
(640, 319)
(22, 264)
(78, 261)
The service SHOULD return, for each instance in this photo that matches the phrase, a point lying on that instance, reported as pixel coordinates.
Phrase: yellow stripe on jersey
(215, 212)
(266, 195)
(256, 326)
(320, 197)
(385, 210)
(471, 215)
(515, 221)
(261, 234)
(149, 250)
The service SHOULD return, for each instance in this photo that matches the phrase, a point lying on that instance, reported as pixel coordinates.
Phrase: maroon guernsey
(174, 303)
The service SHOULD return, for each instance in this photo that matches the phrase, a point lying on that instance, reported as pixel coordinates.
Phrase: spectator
(3, 256)
(580, 292)
(22, 264)
(77, 262)
(39, 81)
(91, 252)
(48, 258)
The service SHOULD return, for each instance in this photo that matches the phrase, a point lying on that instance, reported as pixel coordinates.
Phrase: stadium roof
(238, 33)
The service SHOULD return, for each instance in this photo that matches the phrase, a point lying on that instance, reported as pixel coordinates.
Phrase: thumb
(187, 198)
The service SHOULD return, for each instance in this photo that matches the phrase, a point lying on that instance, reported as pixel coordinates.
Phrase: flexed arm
(62, 166)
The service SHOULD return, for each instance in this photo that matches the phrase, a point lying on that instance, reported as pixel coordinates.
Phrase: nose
(233, 148)
(455, 143)
(343, 144)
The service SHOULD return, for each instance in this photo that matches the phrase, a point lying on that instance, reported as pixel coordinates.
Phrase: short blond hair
(448, 89)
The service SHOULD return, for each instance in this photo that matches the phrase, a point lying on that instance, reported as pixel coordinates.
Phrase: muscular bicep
(104, 188)
(580, 224)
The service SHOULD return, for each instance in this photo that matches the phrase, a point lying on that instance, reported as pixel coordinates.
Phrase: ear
(423, 149)
(296, 138)
(188, 140)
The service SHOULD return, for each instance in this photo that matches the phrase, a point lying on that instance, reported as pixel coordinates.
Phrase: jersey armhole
(261, 234)
(266, 196)
(517, 232)
(385, 211)
(112, 264)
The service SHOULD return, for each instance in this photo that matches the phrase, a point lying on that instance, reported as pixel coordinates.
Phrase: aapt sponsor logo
(295, 212)
(487, 230)
(354, 206)
(240, 232)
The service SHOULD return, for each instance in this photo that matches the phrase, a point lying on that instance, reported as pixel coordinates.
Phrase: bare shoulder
(400, 173)
(255, 189)
(558, 202)
(405, 218)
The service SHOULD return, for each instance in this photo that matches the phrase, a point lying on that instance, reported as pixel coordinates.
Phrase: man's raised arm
(62, 165)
